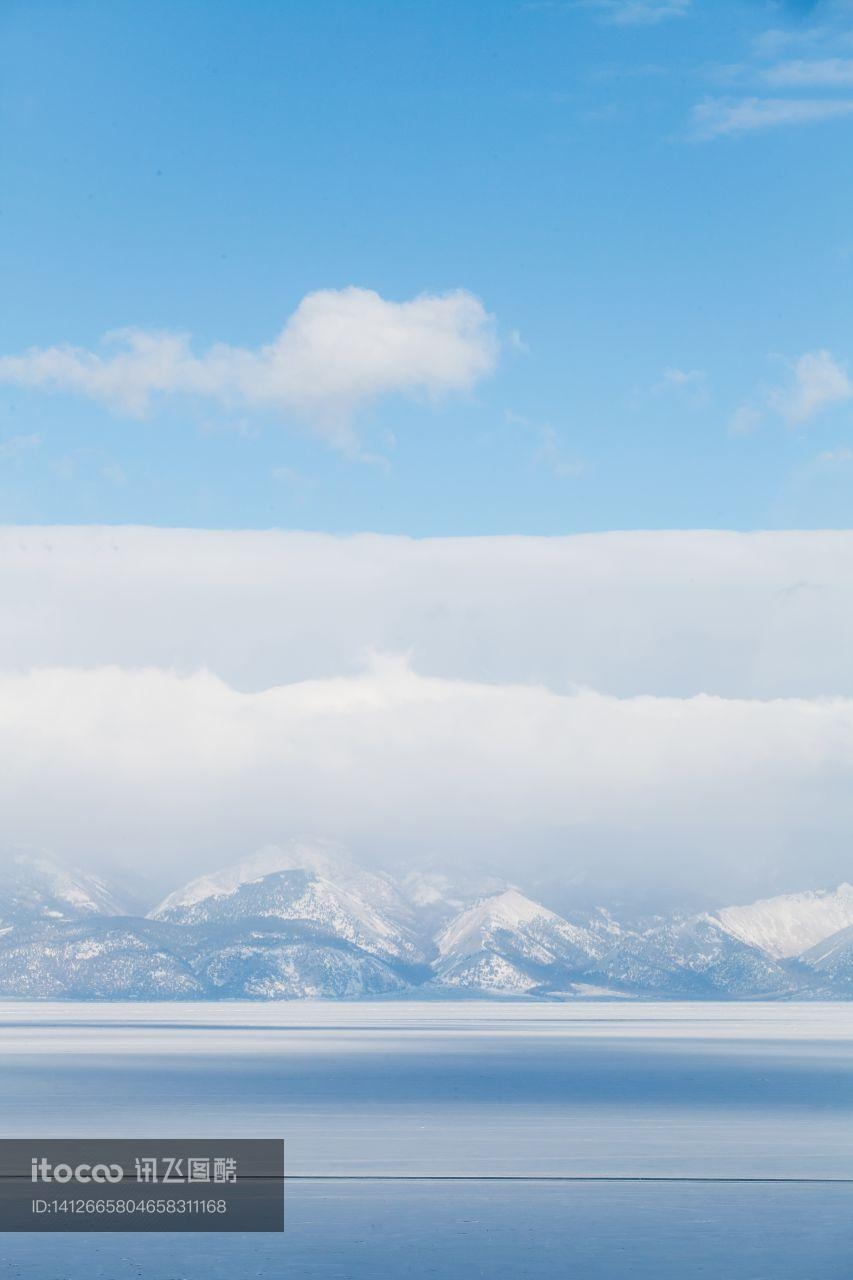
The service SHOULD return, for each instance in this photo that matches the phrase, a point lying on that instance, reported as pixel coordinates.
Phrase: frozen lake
(521, 1104)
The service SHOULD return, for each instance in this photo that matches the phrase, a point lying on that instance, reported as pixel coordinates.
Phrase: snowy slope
(304, 882)
(64, 935)
(33, 887)
(322, 858)
(436, 897)
(288, 962)
(791, 924)
(832, 961)
(103, 958)
(508, 912)
(304, 920)
(699, 956)
(508, 942)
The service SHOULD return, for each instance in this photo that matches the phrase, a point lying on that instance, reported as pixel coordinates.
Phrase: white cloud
(186, 772)
(678, 378)
(815, 43)
(87, 463)
(799, 73)
(778, 40)
(674, 614)
(816, 381)
(745, 419)
(725, 117)
(549, 452)
(640, 13)
(836, 457)
(173, 698)
(690, 384)
(15, 447)
(339, 351)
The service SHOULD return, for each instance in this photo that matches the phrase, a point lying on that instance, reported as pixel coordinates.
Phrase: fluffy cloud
(815, 382)
(723, 117)
(718, 795)
(339, 351)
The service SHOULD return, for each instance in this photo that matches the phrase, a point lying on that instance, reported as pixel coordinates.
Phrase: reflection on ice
(427, 1089)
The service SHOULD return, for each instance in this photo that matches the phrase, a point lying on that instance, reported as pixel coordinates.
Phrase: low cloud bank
(182, 773)
(739, 615)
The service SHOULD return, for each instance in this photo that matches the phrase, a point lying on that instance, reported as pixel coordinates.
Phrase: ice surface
(458, 1231)
(510, 1098)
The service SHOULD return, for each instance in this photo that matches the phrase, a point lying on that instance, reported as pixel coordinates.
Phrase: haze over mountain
(789, 926)
(666, 715)
(305, 920)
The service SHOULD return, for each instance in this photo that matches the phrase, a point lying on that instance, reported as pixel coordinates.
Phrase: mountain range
(305, 920)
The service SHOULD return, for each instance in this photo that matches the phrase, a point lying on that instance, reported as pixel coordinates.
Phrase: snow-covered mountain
(322, 858)
(303, 919)
(36, 887)
(698, 956)
(832, 962)
(436, 897)
(313, 884)
(103, 958)
(291, 961)
(509, 943)
(64, 934)
(791, 924)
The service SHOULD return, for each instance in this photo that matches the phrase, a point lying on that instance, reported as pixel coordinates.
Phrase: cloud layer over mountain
(631, 711)
(645, 791)
(759, 615)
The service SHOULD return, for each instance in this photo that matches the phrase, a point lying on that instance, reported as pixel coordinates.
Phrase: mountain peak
(303, 884)
(320, 857)
(304, 919)
(35, 885)
(508, 910)
(788, 925)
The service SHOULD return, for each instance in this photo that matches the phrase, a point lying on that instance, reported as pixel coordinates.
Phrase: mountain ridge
(304, 920)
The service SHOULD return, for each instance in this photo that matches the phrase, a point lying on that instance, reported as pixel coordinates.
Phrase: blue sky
(650, 199)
